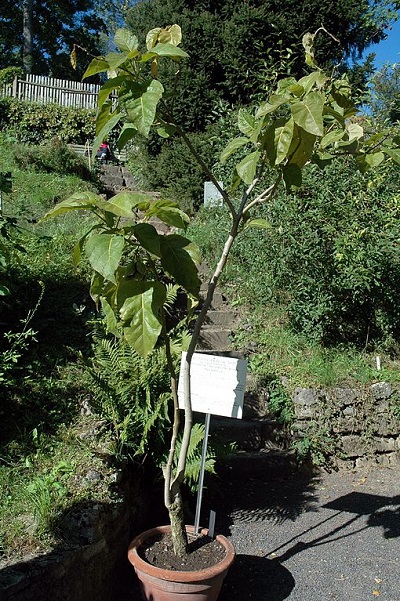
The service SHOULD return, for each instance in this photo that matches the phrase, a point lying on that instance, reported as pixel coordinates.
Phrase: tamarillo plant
(310, 120)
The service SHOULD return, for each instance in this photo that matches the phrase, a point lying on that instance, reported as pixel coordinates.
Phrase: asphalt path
(334, 537)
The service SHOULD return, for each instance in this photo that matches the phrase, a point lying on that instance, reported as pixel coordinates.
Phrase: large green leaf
(127, 133)
(394, 154)
(248, 166)
(148, 237)
(272, 105)
(302, 147)
(368, 161)
(315, 78)
(79, 246)
(107, 88)
(194, 251)
(308, 113)
(142, 111)
(292, 177)
(246, 123)
(168, 213)
(140, 311)
(285, 84)
(104, 114)
(232, 147)
(109, 124)
(125, 40)
(268, 140)
(308, 45)
(322, 159)
(152, 37)
(375, 159)
(77, 202)
(260, 224)
(98, 65)
(123, 204)
(331, 137)
(116, 59)
(355, 131)
(175, 34)
(177, 261)
(166, 131)
(104, 252)
(111, 319)
(331, 115)
(169, 50)
(96, 286)
(283, 140)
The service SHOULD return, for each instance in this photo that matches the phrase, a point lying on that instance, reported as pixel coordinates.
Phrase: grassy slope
(47, 447)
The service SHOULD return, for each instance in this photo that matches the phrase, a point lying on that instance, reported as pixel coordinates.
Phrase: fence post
(15, 87)
(89, 154)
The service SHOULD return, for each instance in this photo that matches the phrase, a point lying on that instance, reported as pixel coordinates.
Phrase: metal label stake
(211, 524)
(201, 475)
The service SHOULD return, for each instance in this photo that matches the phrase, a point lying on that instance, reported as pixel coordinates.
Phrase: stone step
(219, 300)
(129, 179)
(220, 318)
(218, 339)
(112, 180)
(111, 170)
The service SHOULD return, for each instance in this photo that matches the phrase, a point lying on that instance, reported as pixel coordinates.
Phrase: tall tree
(385, 96)
(39, 34)
(239, 46)
(27, 10)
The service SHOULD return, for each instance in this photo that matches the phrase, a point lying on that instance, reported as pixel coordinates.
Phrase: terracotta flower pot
(158, 584)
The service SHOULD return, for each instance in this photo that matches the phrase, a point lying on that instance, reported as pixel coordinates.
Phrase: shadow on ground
(257, 578)
(259, 500)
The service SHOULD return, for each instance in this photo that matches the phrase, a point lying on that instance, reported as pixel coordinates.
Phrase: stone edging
(358, 423)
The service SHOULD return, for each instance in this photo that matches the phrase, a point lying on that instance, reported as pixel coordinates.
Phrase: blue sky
(388, 50)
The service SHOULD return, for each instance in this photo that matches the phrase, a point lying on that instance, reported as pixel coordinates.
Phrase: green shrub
(54, 157)
(333, 250)
(34, 123)
(8, 74)
(174, 173)
(330, 257)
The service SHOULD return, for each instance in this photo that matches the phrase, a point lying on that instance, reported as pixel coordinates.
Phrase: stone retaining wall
(357, 425)
(92, 565)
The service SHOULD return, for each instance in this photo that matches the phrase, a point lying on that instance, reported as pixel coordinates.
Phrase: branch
(203, 165)
(185, 368)
(264, 196)
(207, 171)
(167, 468)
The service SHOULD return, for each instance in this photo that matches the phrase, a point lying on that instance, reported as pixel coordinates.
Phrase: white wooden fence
(38, 88)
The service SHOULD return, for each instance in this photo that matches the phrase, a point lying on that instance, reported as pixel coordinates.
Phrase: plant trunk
(178, 529)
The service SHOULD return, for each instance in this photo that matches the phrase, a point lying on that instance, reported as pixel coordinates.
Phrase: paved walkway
(331, 538)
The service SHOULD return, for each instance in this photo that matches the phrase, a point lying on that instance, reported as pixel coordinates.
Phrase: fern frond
(172, 294)
(132, 393)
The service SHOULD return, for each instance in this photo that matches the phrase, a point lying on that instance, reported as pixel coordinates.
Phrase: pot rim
(179, 576)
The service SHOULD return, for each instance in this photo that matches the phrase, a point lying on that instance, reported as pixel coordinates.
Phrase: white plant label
(212, 196)
(217, 385)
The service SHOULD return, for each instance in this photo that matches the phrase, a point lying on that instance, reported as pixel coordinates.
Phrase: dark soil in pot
(204, 552)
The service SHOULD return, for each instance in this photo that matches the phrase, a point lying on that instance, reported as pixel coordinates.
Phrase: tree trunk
(178, 530)
(27, 58)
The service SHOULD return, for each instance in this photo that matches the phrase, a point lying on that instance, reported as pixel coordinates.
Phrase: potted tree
(310, 120)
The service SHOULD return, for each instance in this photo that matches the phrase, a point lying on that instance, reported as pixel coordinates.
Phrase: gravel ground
(331, 538)
(335, 537)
